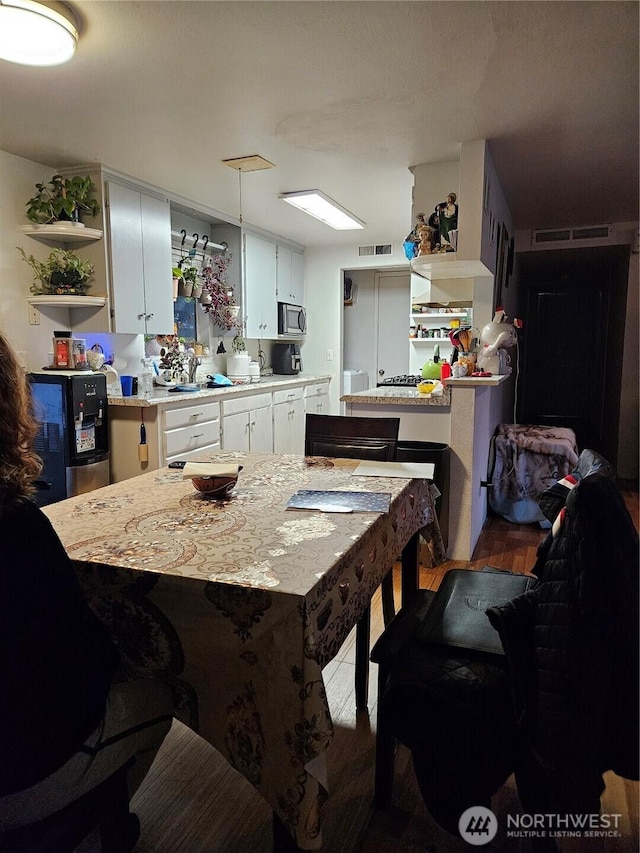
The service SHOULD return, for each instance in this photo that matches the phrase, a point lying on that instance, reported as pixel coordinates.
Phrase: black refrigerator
(73, 439)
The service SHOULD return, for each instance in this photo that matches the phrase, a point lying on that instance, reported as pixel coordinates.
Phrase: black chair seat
(106, 807)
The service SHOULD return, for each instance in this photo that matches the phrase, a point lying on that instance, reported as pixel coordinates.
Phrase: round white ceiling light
(33, 34)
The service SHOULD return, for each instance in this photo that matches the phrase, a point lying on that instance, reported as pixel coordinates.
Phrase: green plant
(64, 272)
(238, 344)
(62, 198)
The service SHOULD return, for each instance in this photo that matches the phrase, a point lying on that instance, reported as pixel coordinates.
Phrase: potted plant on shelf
(63, 199)
(64, 273)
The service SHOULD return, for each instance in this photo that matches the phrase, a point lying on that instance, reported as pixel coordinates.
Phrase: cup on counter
(126, 383)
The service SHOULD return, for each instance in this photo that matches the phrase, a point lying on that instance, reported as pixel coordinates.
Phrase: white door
(236, 431)
(393, 308)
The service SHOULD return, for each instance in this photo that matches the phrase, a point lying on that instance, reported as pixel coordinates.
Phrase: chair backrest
(351, 438)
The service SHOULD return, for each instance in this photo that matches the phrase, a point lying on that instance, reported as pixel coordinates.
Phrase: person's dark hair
(19, 464)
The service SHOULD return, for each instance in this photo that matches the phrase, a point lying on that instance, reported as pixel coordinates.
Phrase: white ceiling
(344, 97)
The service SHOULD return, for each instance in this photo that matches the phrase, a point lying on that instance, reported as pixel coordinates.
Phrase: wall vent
(568, 235)
(380, 249)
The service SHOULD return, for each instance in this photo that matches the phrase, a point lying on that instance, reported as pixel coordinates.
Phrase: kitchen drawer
(317, 389)
(192, 437)
(245, 404)
(288, 395)
(210, 448)
(190, 415)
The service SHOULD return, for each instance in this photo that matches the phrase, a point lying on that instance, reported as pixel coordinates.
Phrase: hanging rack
(200, 244)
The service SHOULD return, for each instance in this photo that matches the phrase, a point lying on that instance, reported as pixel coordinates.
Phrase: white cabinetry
(190, 430)
(288, 421)
(290, 276)
(247, 424)
(140, 256)
(177, 431)
(260, 297)
(430, 329)
(316, 399)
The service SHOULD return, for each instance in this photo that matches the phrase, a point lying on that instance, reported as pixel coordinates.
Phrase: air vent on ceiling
(252, 163)
(380, 249)
(568, 235)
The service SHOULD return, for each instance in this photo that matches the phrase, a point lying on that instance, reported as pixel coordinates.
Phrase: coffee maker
(286, 359)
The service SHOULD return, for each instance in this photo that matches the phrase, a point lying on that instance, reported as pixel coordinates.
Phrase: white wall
(17, 179)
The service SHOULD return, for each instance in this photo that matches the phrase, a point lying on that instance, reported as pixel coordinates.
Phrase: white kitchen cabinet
(316, 399)
(140, 261)
(260, 288)
(178, 431)
(290, 276)
(247, 424)
(288, 421)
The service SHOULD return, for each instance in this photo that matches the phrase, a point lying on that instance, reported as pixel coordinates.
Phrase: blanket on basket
(526, 461)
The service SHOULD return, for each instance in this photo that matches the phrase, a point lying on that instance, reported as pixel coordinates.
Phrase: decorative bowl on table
(214, 487)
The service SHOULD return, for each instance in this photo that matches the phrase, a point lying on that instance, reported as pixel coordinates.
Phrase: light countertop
(162, 396)
(391, 395)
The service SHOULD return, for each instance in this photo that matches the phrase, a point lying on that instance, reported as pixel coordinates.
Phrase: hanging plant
(221, 303)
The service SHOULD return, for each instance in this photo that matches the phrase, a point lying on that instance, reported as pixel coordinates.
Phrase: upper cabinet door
(156, 257)
(290, 276)
(140, 252)
(260, 299)
(297, 278)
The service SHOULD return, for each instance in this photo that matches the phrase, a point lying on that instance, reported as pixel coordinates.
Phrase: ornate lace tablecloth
(239, 604)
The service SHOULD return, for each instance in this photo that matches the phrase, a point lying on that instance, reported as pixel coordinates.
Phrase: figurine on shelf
(434, 222)
(449, 223)
(425, 236)
(412, 239)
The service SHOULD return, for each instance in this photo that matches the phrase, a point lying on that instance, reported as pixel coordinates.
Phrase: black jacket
(56, 660)
(572, 648)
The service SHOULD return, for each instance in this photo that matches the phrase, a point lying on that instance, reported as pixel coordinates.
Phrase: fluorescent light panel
(33, 34)
(321, 207)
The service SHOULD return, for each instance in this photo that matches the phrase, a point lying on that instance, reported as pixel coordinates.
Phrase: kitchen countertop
(392, 395)
(267, 383)
(397, 396)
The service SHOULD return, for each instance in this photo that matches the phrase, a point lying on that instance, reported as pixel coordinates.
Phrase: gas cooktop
(406, 379)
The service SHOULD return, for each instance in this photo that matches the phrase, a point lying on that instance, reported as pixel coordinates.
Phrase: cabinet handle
(149, 316)
(140, 316)
(196, 415)
(197, 435)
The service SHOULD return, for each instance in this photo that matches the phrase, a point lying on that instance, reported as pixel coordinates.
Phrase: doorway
(376, 323)
(573, 305)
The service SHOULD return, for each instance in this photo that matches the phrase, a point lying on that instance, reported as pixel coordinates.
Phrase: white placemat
(409, 470)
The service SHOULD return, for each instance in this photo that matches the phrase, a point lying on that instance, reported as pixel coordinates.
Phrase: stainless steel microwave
(292, 320)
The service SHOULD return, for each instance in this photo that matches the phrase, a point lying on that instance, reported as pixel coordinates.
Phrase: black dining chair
(105, 808)
(357, 438)
(559, 707)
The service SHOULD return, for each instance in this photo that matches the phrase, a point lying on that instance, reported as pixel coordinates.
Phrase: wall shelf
(67, 301)
(62, 233)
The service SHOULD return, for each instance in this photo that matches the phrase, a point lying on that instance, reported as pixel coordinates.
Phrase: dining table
(239, 603)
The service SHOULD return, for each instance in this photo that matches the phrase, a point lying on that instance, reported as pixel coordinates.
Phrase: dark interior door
(573, 311)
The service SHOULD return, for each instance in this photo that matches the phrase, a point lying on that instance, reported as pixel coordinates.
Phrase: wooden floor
(193, 802)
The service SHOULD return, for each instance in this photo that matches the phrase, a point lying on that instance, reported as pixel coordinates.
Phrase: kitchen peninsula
(465, 418)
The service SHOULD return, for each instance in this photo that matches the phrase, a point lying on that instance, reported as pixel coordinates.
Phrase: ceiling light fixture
(322, 207)
(33, 34)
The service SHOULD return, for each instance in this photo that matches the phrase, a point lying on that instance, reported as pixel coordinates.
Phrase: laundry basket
(524, 461)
